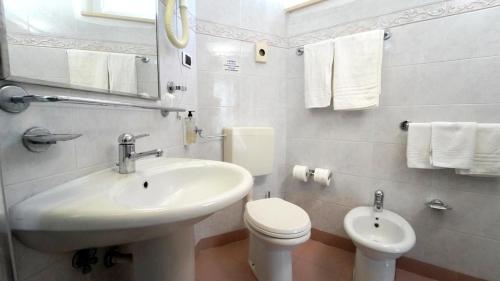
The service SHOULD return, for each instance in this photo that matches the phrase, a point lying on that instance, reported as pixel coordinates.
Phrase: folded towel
(88, 69)
(418, 150)
(122, 73)
(487, 152)
(453, 144)
(318, 59)
(357, 70)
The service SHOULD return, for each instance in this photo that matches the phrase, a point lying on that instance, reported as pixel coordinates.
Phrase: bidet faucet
(378, 202)
(127, 155)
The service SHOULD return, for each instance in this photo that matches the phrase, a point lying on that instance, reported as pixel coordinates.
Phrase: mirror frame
(5, 64)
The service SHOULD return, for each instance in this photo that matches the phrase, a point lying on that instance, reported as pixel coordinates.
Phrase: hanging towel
(357, 70)
(122, 73)
(418, 150)
(453, 144)
(318, 59)
(88, 69)
(487, 152)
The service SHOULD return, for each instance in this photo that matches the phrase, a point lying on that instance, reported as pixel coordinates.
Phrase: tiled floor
(312, 261)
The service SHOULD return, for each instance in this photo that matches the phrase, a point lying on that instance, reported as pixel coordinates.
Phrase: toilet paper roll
(322, 176)
(300, 172)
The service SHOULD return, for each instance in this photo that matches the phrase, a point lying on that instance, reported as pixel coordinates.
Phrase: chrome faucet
(127, 155)
(378, 202)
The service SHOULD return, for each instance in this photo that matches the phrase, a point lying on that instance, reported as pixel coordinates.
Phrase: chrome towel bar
(15, 99)
(387, 36)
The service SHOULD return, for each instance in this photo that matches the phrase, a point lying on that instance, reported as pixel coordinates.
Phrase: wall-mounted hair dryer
(170, 26)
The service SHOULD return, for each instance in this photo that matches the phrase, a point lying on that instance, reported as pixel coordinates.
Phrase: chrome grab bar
(14, 99)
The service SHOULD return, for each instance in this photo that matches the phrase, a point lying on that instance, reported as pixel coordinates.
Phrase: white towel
(487, 152)
(122, 73)
(418, 150)
(88, 69)
(453, 144)
(318, 59)
(357, 70)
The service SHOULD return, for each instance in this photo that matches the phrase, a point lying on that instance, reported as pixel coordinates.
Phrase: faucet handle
(142, 136)
(127, 138)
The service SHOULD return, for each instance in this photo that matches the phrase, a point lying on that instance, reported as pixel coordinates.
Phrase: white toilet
(275, 225)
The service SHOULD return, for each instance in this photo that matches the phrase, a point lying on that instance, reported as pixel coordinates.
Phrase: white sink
(380, 238)
(153, 208)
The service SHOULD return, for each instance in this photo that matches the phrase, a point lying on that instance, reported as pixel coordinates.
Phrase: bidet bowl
(384, 232)
(380, 238)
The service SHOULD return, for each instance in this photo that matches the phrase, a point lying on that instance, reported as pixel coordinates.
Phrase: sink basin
(380, 238)
(161, 201)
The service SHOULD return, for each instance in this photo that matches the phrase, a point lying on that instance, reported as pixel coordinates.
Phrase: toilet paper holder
(310, 173)
(319, 175)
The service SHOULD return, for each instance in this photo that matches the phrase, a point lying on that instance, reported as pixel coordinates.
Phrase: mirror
(107, 46)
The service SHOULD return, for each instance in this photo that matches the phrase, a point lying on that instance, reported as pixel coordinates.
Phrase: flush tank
(251, 148)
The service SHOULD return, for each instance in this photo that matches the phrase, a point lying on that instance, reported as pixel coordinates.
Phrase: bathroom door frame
(7, 260)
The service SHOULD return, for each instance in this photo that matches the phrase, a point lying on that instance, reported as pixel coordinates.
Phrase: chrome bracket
(438, 204)
(38, 139)
(7, 103)
(172, 88)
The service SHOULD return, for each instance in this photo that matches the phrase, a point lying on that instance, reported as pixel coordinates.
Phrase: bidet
(380, 236)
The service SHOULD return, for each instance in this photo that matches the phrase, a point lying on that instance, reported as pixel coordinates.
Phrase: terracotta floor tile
(402, 275)
(324, 256)
(312, 261)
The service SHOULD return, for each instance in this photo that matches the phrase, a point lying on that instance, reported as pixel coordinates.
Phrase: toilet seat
(277, 218)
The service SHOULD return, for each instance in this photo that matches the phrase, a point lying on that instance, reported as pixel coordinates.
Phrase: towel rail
(387, 36)
(15, 99)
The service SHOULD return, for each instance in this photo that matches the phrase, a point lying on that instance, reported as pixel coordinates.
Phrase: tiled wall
(26, 173)
(252, 96)
(438, 66)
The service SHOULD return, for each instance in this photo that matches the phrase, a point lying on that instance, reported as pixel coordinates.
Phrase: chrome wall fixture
(199, 131)
(39, 139)
(405, 125)
(172, 87)
(144, 59)
(387, 36)
(439, 205)
(15, 99)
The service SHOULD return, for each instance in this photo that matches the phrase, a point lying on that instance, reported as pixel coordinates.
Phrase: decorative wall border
(413, 15)
(70, 43)
(423, 13)
(232, 32)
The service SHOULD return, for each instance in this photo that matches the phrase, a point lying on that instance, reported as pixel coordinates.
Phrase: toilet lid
(277, 216)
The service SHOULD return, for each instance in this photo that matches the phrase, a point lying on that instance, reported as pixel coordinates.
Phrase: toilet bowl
(276, 227)
(380, 238)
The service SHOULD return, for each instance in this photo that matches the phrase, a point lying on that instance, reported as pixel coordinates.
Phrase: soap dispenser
(189, 129)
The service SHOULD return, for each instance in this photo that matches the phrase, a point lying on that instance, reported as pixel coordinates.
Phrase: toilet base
(270, 262)
(368, 269)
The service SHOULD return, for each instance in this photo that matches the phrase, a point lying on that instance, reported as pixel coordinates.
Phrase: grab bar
(15, 99)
